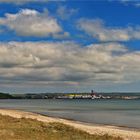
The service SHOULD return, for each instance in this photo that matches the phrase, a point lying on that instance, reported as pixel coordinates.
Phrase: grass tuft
(29, 129)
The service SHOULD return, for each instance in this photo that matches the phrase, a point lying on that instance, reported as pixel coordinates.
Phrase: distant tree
(5, 96)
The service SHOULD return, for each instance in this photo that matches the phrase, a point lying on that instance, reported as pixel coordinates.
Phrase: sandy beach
(126, 133)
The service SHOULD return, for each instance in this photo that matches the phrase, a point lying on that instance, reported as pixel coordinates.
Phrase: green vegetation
(5, 96)
(69, 96)
(28, 129)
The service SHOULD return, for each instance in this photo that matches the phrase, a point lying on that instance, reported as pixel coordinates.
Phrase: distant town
(91, 95)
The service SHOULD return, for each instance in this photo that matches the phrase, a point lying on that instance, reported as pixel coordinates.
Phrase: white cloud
(65, 13)
(67, 63)
(97, 29)
(20, 2)
(135, 3)
(29, 22)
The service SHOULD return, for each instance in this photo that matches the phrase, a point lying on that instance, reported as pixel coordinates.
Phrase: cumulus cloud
(29, 22)
(135, 3)
(97, 29)
(20, 2)
(64, 13)
(67, 63)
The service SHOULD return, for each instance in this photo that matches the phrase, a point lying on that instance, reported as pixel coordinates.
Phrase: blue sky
(69, 46)
(115, 14)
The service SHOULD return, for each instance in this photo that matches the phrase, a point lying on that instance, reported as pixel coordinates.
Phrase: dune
(125, 133)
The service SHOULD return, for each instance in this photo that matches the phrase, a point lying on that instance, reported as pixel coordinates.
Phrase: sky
(69, 46)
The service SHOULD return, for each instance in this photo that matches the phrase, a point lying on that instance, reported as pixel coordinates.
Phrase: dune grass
(29, 129)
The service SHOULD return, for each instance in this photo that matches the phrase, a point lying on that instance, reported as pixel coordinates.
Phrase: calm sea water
(112, 112)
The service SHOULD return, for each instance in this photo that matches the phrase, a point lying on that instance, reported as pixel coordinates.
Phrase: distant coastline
(90, 95)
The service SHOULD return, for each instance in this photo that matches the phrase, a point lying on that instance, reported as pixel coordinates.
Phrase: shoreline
(100, 129)
(123, 127)
(91, 124)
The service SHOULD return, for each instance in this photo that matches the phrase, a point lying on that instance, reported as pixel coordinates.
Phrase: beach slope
(125, 133)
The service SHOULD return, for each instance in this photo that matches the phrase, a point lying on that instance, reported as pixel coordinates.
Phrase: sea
(116, 112)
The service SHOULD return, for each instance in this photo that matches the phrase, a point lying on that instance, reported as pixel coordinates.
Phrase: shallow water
(112, 112)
